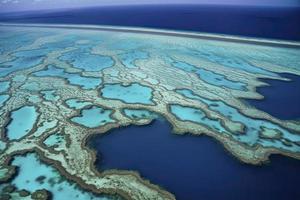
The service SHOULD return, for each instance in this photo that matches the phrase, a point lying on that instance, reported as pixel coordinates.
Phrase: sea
(263, 22)
(193, 167)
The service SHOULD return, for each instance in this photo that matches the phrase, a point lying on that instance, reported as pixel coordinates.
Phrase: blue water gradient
(281, 98)
(194, 167)
(267, 22)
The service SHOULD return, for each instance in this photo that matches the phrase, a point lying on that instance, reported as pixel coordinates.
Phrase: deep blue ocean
(193, 167)
(281, 98)
(267, 22)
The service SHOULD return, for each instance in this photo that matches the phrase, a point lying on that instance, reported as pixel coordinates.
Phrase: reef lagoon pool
(193, 167)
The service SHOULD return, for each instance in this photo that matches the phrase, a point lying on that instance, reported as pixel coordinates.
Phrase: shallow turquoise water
(31, 86)
(93, 117)
(236, 63)
(63, 42)
(46, 125)
(3, 98)
(50, 180)
(86, 61)
(49, 95)
(134, 93)
(129, 59)
(209, 76)
(22, 121)
(253, 126)
(77, 104)
(24, 59)
(16, 38)
(74, 79)
(228, 56)
(33, 52)
(54, 139)
(4, 85)
(130, 44)
(2, 145)
(19, 64)
(139, 114)
(198, 116)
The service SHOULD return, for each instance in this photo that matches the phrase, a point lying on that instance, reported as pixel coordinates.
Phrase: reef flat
(61, 85)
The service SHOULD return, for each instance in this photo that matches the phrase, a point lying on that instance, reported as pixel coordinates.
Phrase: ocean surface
(266, 22)
(194, 167)
(281, 98)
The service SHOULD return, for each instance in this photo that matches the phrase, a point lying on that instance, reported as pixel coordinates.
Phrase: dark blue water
(267, 22)
(193, 167)
(282, 98)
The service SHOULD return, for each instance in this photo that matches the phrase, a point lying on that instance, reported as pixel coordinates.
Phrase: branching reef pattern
(59, 86)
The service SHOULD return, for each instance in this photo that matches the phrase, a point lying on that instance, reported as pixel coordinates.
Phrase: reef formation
(60, 85)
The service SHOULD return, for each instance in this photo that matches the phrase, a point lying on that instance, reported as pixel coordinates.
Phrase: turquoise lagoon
(19, 64)
(16, 38)
(93, 117)
(2, 145)
(49, 95)
(22, 121)
(54, 139)
(77, 104)
(3, 98)
(196, 115)
(46, 125)
(134, 93)
(24, 59)
(40, 52)
(4, 85)
(129, 59)
(139, 114)
(86, 61)
(46, 177)
(73, 78)
(232, 58)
